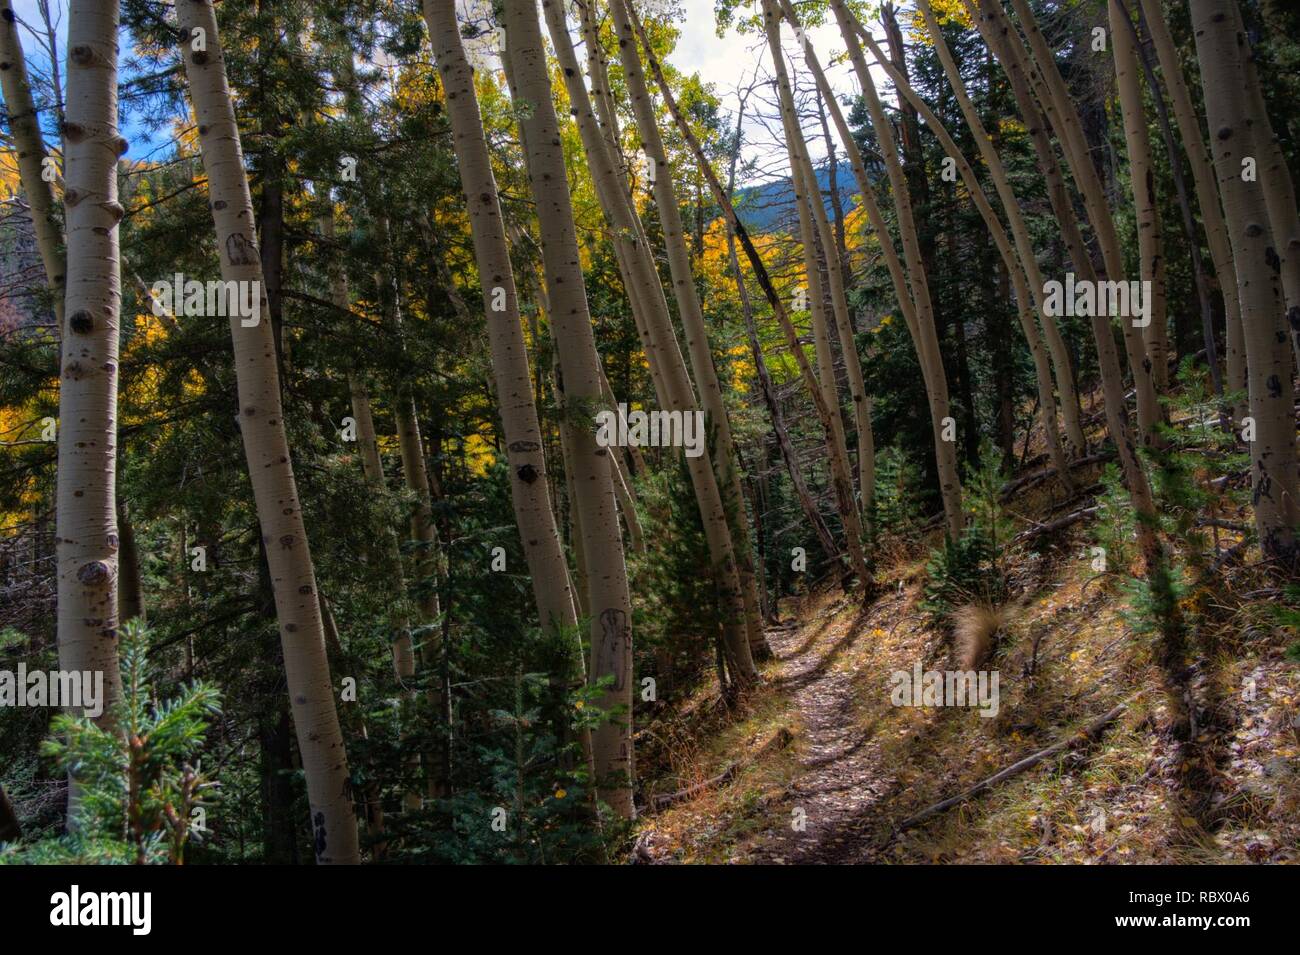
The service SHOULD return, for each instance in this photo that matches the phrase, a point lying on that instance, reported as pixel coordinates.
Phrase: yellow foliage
(945, 11)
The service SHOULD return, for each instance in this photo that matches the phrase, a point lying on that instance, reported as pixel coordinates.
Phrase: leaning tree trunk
(86, 531)
(530, 494)
(841, 475)
(718, 422)
(1006, 51)
(1229, 105)
(1207, 195)
(1279, 190)
(1146, 205)
(1064, 117)
(610, 601)
(29, 147)
(1025, 299)
(266, 446)
(927, 340)
(820, 222)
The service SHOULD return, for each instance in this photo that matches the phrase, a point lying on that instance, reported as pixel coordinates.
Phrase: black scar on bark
(527, 474)
(318, 830)
(1274, 386)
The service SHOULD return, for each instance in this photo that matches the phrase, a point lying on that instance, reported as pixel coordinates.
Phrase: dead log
(1087, 734)
(780, 739)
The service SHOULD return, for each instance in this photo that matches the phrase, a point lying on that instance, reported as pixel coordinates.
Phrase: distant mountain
(770, 205)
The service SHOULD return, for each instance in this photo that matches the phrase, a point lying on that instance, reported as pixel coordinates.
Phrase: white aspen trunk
(821, 227)
(927, 341)
(86, 532)
(1064, 118)
(1146, 204)
(1025, 299)
(1207, 197)
(1221, 50)
(611, 625)
(29, 150)
(293, 578)
(691, 312)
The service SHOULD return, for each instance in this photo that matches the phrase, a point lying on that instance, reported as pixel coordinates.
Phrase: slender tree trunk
(841, 477)
(1025, 279)
(814, 206)
(1146, 204)
(611, 626)
(86, 521)
(1207, 195)
(1222, 49)
(1064, 117)
(29, 149)
(261, 423)
(1007, 53)
(717, 421)
(927, 341)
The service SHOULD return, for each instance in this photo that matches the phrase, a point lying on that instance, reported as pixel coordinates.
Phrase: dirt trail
(838, 796)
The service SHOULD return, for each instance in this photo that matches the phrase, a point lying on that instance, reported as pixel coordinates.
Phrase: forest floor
(819, 766)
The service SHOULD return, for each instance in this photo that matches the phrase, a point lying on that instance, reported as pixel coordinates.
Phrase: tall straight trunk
(1274, 176)
(717, 421)
(993, 30)
(266, 446)
(86, 531)
(1023, 277)
(654, 324)
(1221, 49)
(1146, 205)
(610, 601)
(927, 340)
(1207, 194)
(841, 476)
(1064, 118)
(530, 489)
(29, 148)
(819, 226)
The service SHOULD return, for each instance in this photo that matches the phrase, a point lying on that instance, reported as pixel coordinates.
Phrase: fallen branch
(1084, 735)
(780, 739)
(1059, 524)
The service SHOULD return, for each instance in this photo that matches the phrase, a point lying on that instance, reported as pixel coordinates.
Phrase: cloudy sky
(728, 63)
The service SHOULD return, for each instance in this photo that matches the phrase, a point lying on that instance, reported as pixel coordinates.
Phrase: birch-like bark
(611, 609)
(1222, 49)
(1207, 196)
(86, 532)
(1061, 112)
(820, 226)
(1146, 205)
(691, 312)
(1026, 301)
(841, 475)
(927, 340)
(261, 423)
(29, 150)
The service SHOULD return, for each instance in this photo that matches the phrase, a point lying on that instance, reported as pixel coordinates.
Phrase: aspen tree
(293, 578)
(1221, 49)
(927, 340)
(1026, 300)
(841, 475)
(691, 312)
(1146, 204)
(610, 602)
(798, 151)
(1064, 118)
(1207, 194)
(86, 532)
(543, 552)
(995, 37)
